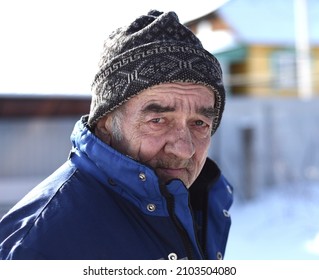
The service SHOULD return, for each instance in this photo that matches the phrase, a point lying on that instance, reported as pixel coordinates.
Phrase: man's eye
(156, 120)
(199, 123)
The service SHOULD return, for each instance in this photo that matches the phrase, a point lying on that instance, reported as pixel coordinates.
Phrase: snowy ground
(280, 224)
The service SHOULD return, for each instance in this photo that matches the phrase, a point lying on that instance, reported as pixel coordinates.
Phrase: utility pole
(303, 61)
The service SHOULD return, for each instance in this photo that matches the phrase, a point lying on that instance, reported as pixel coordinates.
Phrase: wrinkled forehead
(180, 90)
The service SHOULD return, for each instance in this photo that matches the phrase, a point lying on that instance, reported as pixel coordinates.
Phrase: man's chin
(167, 176)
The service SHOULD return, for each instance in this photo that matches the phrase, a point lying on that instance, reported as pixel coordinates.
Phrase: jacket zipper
(205, 222)
(184, 235)
(202, 249)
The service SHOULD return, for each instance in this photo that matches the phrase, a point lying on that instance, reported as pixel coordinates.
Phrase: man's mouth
(171, 173)
(173, 170)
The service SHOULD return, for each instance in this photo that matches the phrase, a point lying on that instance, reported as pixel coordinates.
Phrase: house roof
(268, 21)
(43, 105)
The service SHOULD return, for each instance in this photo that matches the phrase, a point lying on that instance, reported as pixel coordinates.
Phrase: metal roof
(268, 21)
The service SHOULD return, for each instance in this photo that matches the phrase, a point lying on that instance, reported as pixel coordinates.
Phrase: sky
(53, 47)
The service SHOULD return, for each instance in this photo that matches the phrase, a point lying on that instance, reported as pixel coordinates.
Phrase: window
(284, 69)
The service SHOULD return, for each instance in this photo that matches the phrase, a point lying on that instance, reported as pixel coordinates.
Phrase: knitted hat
(154, 49)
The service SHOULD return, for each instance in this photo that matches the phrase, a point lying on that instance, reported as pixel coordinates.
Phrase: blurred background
(267, 145)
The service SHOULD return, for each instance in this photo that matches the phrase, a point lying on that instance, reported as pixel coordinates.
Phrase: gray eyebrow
(157, 108)
(208, 112)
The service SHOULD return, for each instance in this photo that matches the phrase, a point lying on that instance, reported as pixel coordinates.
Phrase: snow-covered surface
(282, 223)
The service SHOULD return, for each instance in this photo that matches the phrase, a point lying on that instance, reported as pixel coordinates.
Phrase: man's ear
(103, 128)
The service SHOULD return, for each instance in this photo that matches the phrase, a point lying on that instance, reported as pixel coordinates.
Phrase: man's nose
(180, 143)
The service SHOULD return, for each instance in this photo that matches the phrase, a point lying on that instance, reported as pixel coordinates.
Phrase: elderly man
(138, 183)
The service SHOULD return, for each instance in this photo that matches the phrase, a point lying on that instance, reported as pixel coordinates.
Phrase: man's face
(168, 127)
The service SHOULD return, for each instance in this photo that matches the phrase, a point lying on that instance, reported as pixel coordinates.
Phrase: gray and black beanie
(154, 49)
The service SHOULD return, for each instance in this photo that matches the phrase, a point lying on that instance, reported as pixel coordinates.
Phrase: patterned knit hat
(154, 49)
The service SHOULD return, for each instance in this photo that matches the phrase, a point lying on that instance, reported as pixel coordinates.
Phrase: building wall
(268, 142)
(315, 69)
(31, 149)
(258, 70)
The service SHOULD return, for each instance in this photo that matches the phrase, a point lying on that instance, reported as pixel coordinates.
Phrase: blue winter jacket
(102, 204)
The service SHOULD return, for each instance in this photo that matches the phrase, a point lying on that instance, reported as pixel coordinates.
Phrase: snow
(280, 224)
